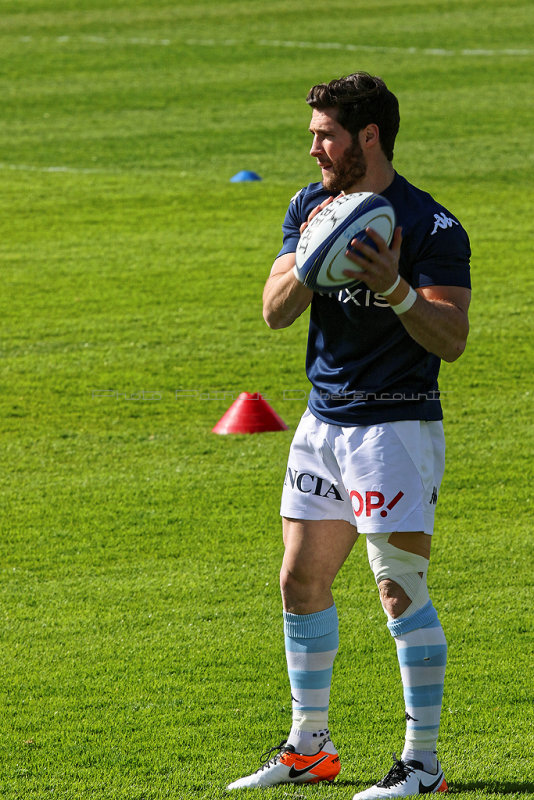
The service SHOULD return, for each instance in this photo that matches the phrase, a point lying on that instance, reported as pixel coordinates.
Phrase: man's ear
(370, 135)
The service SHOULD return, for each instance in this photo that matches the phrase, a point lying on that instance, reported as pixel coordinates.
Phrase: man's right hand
(315, 211)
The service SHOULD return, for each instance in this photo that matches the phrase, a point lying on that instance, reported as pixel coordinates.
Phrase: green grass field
(142, 655)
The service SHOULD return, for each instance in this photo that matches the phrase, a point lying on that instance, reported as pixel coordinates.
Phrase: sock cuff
(311, 626)
(423, 617)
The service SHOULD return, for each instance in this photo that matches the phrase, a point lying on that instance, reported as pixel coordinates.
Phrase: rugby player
(368, 455)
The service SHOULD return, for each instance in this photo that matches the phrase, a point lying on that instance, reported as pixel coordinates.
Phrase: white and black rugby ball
(320, 256)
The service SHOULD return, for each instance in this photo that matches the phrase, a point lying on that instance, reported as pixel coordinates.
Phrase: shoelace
(279, 749)
(398, 773)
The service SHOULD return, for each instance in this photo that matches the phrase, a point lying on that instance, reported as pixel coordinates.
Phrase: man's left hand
(381, 266)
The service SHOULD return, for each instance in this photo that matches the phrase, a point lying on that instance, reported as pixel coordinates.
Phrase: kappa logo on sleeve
(442, 221)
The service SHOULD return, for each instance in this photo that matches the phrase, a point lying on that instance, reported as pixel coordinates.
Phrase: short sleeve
(442, 255)
(291, 226)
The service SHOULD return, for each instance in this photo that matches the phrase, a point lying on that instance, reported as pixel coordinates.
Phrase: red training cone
(250, 413)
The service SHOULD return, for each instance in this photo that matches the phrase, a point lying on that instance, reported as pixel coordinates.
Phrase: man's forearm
(439, 325)
(284, 299)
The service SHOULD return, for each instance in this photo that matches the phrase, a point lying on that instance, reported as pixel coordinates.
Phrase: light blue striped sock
(311, 642)
(422, 654)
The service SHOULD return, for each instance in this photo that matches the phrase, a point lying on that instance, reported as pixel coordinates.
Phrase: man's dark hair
(361, 99)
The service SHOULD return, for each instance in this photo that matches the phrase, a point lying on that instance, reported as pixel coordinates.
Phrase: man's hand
(380, 267)
(313, 213)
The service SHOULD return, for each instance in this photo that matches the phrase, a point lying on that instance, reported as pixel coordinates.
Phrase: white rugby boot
(405, 779)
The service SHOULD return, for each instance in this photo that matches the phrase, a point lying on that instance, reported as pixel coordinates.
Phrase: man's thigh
(315, 551)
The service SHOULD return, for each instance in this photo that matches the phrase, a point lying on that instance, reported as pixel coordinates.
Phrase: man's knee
(394, 599)
(290, 581)
(299, 585)
(399, 574)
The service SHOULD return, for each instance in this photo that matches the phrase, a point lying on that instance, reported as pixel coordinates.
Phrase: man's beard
(350, 168)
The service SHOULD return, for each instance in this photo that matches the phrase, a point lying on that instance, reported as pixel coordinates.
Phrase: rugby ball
(320, 256)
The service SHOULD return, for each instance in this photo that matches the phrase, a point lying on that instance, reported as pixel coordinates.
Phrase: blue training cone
(245, 175)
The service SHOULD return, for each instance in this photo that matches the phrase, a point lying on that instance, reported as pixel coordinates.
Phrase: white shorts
(380, 478)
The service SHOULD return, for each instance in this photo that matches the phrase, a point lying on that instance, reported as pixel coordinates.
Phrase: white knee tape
(391, 563)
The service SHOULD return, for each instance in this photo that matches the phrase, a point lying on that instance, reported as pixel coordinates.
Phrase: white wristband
(391, 288)
(407, 303)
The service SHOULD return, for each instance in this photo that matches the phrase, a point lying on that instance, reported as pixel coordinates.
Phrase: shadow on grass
(455, 787)
(493, 787)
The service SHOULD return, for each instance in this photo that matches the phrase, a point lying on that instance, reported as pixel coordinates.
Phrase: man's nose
(316, 147)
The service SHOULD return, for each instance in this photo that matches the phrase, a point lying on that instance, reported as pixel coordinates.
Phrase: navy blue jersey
(363, 366)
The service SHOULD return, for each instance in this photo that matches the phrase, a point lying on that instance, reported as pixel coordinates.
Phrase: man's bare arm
(284, 297)
(438, 320)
